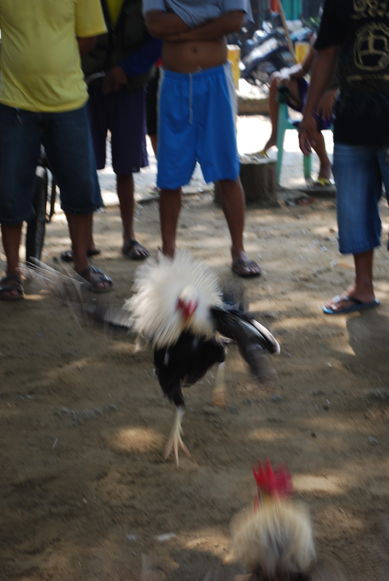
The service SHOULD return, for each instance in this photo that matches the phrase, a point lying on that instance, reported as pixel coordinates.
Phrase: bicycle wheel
(35, 234)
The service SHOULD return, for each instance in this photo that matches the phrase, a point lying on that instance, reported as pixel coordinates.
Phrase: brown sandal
(11, 288)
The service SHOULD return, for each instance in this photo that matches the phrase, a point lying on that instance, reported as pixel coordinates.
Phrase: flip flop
(95, 278)
(322, 183)
(246, 268)
(263, 153)
(11, 288)
(133, 250)
(67, 255)
(356, 305)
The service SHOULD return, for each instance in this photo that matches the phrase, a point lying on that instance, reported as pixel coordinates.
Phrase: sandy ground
(84, 488)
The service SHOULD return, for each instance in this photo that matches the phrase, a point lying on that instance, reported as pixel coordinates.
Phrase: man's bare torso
(193, 56)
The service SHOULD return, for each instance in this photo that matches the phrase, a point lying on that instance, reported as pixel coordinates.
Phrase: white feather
(158, 285)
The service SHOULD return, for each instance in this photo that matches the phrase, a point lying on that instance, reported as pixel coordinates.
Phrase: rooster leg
(175, 441)
(219, 391)
(138, 344)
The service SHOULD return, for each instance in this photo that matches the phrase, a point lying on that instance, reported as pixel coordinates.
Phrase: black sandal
(67, 255)
(134, 250)
(98, 281)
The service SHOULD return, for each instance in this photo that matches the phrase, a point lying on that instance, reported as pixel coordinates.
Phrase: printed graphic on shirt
(371, 50)
(370, 8)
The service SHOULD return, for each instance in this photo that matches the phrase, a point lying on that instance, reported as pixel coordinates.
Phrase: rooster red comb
(272, 482)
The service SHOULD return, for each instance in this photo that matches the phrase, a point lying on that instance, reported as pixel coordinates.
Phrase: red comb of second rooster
(272, 482)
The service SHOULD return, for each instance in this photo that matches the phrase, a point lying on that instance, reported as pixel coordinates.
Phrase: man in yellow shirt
(43, 101)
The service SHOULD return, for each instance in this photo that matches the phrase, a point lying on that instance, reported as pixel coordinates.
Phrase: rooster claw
(175, 441)
(173, 445)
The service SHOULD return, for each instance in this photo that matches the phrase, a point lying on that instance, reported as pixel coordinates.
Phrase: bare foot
(271, 142)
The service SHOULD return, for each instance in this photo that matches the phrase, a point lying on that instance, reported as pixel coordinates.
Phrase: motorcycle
(270, 53)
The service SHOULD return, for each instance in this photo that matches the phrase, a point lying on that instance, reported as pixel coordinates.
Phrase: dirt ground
(84, 488)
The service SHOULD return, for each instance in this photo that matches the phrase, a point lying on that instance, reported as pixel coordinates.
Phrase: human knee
(275, 79)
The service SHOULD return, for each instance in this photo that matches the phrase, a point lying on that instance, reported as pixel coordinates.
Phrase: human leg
(10, 285)
(125, 191)
(219, 159)
(276, 82)
(19, 153)
(169, 211)
(70, 152)
(176, 152)
(233, 204)
(11, 238)
(360, 295)
(128, 140)
(98, 117)
(80, 227)
(359, 186)
(324, 161)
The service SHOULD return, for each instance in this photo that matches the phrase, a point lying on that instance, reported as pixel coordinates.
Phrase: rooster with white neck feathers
(179, 307)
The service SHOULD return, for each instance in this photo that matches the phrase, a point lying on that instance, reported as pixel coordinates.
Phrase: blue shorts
(197, 123)
(123, 113)
(360, 172)
(67, 140)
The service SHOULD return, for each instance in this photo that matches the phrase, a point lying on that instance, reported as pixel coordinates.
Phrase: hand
(114, 80)
(326, 104)
(307, 134)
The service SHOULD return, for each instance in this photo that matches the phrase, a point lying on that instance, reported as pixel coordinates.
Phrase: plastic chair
(284, 123)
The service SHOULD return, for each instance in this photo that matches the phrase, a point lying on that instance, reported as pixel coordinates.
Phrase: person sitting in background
(293, 79)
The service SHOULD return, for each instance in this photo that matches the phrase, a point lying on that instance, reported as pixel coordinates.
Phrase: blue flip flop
(357, 305)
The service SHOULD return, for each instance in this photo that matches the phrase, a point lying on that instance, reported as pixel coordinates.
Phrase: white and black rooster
(179, 307)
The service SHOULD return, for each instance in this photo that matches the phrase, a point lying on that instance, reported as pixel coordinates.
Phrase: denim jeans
(68, 143)
(360, 173)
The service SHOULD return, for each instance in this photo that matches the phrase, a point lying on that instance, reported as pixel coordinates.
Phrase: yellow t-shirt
(39, 61)
(114, 7)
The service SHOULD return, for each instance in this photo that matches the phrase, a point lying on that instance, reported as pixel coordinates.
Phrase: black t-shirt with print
(360, 28)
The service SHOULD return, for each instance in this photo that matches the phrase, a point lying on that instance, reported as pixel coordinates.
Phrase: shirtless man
(197, 112)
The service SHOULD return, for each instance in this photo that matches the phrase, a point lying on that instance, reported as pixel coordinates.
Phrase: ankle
(238, 252)
(13, 271)
(168, 250)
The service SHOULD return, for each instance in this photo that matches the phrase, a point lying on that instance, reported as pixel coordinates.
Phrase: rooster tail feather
(233, 295)
(254, 341)
(62, 285)
(268, 338)
(67, 287)
(109, 315)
